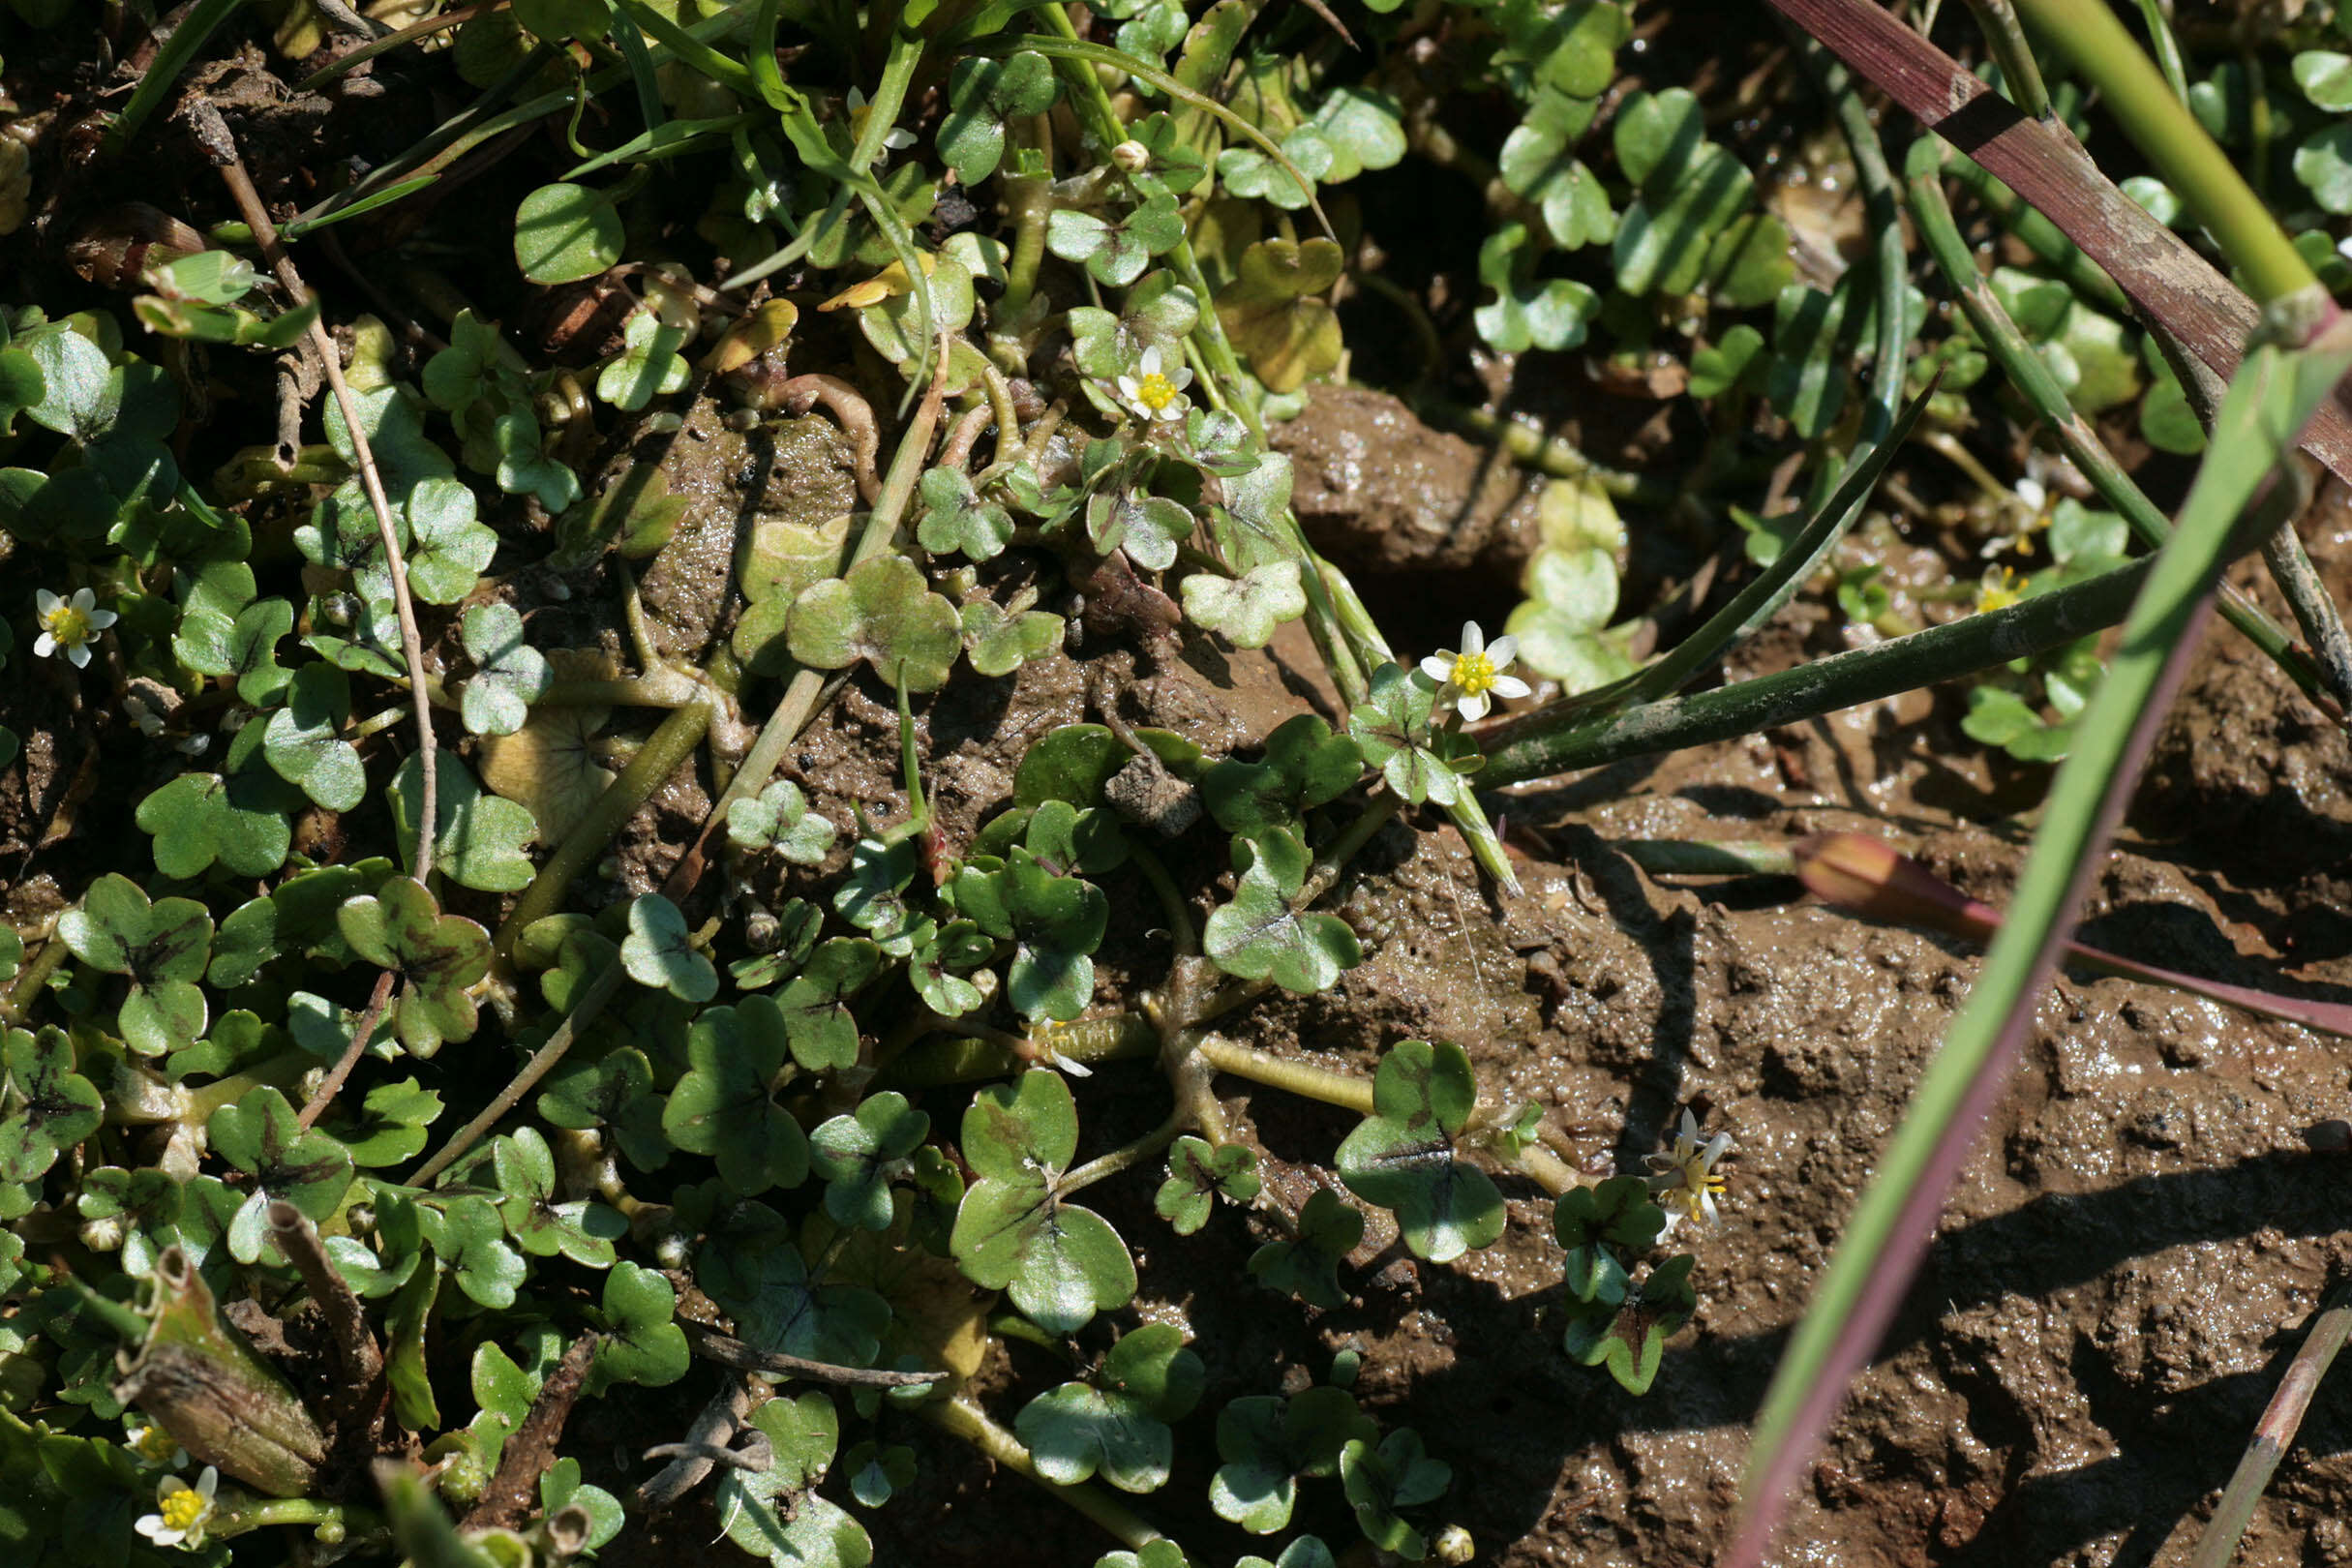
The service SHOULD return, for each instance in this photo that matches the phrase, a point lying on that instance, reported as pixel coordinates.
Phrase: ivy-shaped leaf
(643, 1342)
(855, 1154)
(212, 643)
(448, 548)
(772, 1514)
(1116, 253)
(480, 838)
(1379, 1482)
(163, 947)
(582, 1231)
(1199, 1174)
(304, 743)
(955, 518)
(1054, 922)
(1119, 1430)
(199, 817)
(1268, 1445)
(823, 1033)
(1392, 726)
(752, 1269)
(439, 957)
(54, 1108)
(884, 613)
(648, 365)
(1308, 1265)
(725, 1105)
(1270, 313)
(1631, 1339)
(1260, 935)
(779, 819)
(1406, 1155)
(509, 674)
(997, 641)
(1059, 1263)
(982, 94)
(659, 952)
(1304, 766)
(1246, 610)
(260, 1137)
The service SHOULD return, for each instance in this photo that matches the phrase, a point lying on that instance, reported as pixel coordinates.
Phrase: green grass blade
(163, 73)
(2269, 402)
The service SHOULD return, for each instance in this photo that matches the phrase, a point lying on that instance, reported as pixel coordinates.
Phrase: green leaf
(1157, 313)
(1661, 246)
(754, 1272)
(1537, 164)
(509, 674)
(582, 1231)
(1246, 610)
(1270, 313)
(1304, 766)
(823, 1034)
(163, 947)
(885, 613)
(648, 365)
(956, 519)
(642, 1344)
(1059, 1263)
(659, 952)
(1308, 1265)
(998, 643)
(260, 1137)
(1597, 1225)
(1054, 922)
(53, 1107)
(772, 1515)
(725, 1105)
(1721, 366)
(1250, 173)
(199, 817)
(855, 1155)
(614, 1093)
(1197, 1174)
(1116, 254)
(779, 819)
(1363, 129)
(1631, 1340)
(1258, 935)
(1392, 727)
(1405, 1157)
(1120, 1430)
(1662, 135)
(304, 744)
(448, 548)
(480, 838)
(565, 233)
(1270, 1444)
(390, 1128)
(213, 644)
(981, 95)
(1399, 1474)
(439, 956)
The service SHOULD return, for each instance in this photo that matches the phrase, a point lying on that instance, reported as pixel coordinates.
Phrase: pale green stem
(356, 1526)
(1125, 1157)
(1341, 1089)
(2007, 41)
(2168, 47)
(655, 760)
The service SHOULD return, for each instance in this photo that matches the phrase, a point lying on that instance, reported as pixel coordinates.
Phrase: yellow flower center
(68, 626)
(2002, 592)
(182, 1509)
(1156, 392)
(1473, 674)
(155, 1444)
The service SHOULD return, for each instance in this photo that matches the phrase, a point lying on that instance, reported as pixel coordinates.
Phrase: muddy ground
(2115, 1287)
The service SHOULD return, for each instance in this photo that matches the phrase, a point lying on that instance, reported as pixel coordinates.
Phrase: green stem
(2217, 1545)
(2161, 127)
(964, 1059)
(2044, 238)
(1125, 1157)
(32, 978)
(2007, 43)
(655, 760)
(2168, 47)
(2030, 374)
(1341, 1089)
(1538, 749)
(961, 1418)
(1707, 858)
(1172, 906)
(263, 1511)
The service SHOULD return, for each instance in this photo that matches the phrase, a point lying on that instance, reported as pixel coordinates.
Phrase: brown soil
(2117, 1281)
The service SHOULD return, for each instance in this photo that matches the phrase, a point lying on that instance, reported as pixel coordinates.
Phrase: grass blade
(2271, 1433)
(2269, 402)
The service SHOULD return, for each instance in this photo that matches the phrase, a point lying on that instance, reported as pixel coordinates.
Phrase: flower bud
(1131, 157)
(214, 1394)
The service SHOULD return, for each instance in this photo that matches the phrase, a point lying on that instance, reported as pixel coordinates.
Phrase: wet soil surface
(2118, 1280)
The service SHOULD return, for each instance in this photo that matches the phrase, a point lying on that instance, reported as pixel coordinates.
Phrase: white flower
(181, 1510)
(898, 140)
(1472, 678)
(2029, 504)
(1684, 1181)
(71, 624)
(1159, 394)
(150, 722)
(150, 1444)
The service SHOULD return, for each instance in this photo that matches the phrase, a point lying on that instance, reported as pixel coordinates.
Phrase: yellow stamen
(68, 626)
(1156, 392)
(2000, 591)
(155, 1444)
(1473, 674)
(182, 1509)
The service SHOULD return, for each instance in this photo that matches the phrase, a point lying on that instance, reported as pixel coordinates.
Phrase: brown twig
(728, 1351)
(332, 1084)
(213, 136)
(2271, 1433)
(713, 1428)
(355, 1346)
(507, 1501)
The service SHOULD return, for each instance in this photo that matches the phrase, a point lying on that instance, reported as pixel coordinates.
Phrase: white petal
(79, 653)
(899, 137)
(100, 619)
(1690, 1125)
(2029, 492)
(1181, 377)
(84, 600)
(1509, 686)
(151, 1525)
(1473, 641)
(1716, 1147)
(1127, 390)
(46, 644)
(1151, 360)
(1706, 1201)
(210, 1481)
(1437, 667)
(1475, 708)
(1502, 650)
(856, 100)
(49, 603)
(1173, 411)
